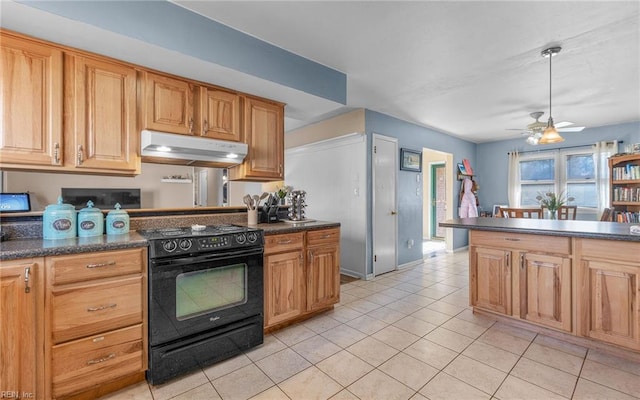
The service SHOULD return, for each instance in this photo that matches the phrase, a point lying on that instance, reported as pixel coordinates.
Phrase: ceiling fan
(535, 129)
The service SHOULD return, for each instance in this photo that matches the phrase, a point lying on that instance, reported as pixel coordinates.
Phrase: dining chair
(509, 212)
(565, 212)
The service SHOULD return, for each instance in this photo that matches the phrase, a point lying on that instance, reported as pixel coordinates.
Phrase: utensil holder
(252, 217)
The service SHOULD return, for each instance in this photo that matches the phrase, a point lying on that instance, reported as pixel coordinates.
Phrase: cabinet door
(103, 122)
(491, 279)
(264, 133)
(610, 302)
(284, 287)
(545, 290)
(31, 82)
(220, 114)
(323, 277)
(168, 104)
(18, 328)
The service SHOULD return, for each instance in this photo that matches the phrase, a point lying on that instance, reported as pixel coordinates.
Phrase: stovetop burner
(179, 241)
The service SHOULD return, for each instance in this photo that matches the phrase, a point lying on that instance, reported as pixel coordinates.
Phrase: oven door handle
(208, 257)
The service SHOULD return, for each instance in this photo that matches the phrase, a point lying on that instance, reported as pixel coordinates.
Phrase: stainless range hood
(191, 148)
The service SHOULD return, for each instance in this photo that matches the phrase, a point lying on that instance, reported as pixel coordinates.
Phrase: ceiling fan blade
(571, 129)
(516, 129)
(563, 124)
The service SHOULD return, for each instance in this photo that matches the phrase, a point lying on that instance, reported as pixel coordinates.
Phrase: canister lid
(89, 209)
(117, 211)
(60, 206)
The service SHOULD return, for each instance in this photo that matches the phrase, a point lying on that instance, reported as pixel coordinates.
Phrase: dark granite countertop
(26, 248)
(289, 227)
(582, 229)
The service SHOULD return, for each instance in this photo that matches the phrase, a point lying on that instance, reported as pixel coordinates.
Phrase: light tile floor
(407, 334)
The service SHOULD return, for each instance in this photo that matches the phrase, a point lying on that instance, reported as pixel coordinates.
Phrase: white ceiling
(471, 69)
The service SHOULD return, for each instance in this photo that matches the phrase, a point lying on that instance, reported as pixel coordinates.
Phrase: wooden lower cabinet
(545, 290)
(516, 278)
(96, 310)
(296, 285)
(490, 285)
(323, 269)
(20, 328)
(284, 287)
(609, 291)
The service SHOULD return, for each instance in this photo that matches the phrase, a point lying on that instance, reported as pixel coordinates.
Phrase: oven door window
(210, 290)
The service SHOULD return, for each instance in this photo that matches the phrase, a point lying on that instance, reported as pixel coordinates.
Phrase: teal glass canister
(59, 221)
(90, 221)
(117, 221)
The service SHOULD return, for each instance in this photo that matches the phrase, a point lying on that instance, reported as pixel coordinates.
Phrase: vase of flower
(553, 202)
(553, 214)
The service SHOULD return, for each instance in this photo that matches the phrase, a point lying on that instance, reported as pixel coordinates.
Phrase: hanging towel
(468, 207)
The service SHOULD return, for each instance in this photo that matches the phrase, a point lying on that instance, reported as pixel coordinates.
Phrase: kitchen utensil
(256, 201)
(247, 200)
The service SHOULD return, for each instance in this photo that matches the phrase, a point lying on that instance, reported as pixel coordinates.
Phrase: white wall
(333, 173)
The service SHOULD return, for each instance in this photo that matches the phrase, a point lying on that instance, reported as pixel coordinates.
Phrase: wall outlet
(409, 243)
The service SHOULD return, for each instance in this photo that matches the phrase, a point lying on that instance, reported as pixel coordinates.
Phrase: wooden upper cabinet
(264, 133)
(168, 104)
(219, 114)
(31, 82)
(102, 120)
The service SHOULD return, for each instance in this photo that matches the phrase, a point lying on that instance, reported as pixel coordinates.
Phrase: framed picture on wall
(410, 160)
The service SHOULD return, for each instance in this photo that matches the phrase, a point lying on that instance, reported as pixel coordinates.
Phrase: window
(571, 172)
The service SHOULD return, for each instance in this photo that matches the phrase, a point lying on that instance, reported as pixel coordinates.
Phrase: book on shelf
(628, 172)
(467, 166)
(626, 216)
(627, 194)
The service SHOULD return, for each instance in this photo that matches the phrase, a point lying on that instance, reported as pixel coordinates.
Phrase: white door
(385, 222)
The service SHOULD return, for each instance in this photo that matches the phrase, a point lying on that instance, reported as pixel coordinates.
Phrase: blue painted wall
(492, 164)
(172, 27)
(414, 137)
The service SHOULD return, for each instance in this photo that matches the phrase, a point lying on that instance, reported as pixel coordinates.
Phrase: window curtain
(514, 179)
(601, 153)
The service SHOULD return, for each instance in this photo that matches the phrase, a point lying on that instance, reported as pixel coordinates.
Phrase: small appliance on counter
(270, 210)
(117, 221)
(59, 221)
(90, 221)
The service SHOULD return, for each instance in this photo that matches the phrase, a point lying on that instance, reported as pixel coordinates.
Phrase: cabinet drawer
(91, 309)
(519, 241)
(82, 364)
(610, 250)
(78, 268)
(285, 242)
(324, 236)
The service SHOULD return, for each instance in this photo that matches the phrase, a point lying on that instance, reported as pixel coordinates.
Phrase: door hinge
(375, 149)
(375, 258)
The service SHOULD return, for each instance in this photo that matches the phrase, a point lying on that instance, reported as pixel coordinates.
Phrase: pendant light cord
(550, 57)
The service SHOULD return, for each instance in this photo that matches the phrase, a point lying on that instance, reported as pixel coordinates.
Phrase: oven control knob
(241, 238)
(185, 244)
(169, 246)
(252, 237)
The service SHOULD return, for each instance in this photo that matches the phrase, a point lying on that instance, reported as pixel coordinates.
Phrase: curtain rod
(562, 148)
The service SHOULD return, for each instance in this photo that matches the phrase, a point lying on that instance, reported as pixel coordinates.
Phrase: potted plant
(282, 193)
(553, 202)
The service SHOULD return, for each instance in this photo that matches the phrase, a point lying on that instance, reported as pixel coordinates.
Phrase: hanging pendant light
(550, 134)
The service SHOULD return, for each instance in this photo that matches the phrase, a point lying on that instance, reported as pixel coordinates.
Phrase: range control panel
(177, 246)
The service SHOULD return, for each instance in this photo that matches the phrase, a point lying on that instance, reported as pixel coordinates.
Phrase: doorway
(385, 221)
(438, 201)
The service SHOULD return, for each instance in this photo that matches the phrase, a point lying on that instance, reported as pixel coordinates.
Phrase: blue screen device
(14, 202)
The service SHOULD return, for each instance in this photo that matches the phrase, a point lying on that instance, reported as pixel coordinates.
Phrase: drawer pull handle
(27, 288)
(512, 239)
(98, 339)
(112, 305)
(101, 360)
(105, 264)
(327, 236)
(284, 241)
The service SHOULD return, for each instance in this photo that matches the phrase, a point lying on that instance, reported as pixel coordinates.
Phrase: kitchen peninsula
(576, 279)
